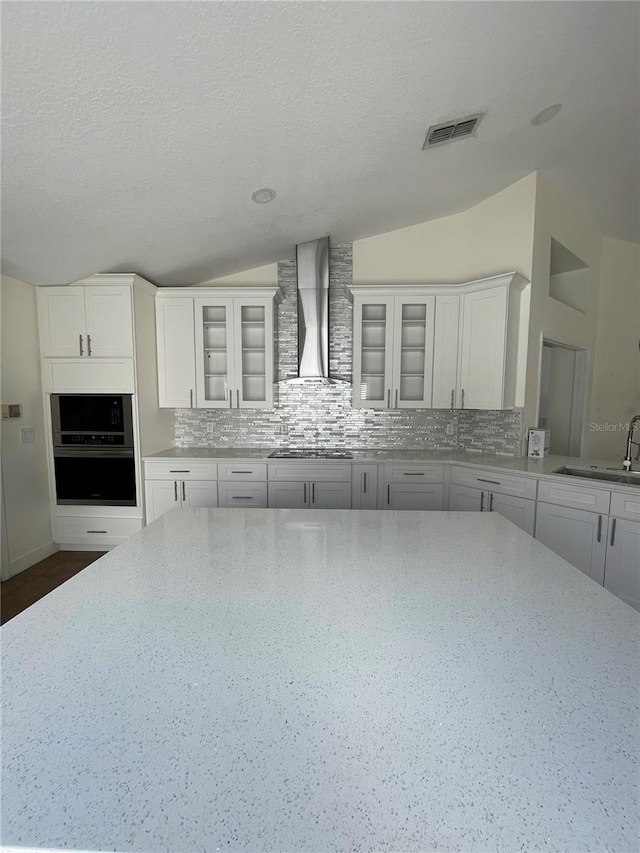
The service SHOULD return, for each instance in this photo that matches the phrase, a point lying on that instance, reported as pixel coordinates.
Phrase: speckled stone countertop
(299, 680)
(521, 464)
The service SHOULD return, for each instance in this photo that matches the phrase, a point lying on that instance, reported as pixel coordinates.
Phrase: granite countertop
(520, 465)
(323, 680)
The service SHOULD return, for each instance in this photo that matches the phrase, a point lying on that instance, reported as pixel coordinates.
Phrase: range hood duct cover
(313, 310)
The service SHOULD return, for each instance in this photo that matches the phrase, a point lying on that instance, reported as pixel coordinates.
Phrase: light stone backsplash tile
(315, 415)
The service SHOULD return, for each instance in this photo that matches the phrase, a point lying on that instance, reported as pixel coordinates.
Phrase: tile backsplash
(317, 415)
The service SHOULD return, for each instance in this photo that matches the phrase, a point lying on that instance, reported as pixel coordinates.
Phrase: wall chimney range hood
(313, 311)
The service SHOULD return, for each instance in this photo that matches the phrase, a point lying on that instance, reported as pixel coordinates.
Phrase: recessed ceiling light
(546, 115)
(263, 195)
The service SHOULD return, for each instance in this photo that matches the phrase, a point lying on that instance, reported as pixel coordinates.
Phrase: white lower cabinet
(163, 495)
(93, 533)
(622, 567)
(364, 486)
(520, 511)
(578, 536)
(309, 495)
(416, 496)
(242, 494)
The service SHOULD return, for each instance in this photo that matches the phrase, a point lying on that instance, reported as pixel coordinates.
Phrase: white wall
(560, 215)
(267, 275)
(615, 395)
(26, 509)
(490, 238)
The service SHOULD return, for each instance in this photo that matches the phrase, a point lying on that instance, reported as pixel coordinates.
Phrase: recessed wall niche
(569, 278)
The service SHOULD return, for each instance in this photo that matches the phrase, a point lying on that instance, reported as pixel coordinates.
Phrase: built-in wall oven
(93, 449)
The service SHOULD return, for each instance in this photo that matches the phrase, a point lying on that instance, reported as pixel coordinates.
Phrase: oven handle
(92, 453)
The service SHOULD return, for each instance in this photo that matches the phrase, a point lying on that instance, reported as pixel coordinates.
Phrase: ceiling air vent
(447, 131)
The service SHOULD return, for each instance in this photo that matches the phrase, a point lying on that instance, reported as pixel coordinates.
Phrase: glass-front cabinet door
(373, 342)
(413, 353)
(234, 353)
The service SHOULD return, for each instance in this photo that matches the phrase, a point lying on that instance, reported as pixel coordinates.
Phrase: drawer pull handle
(184, 494)
(388, 495)
(81, 353)
(599, 528)
(241, 497)
(481, 501)
(313, 493)
(175, 490)
(242, 472)
(493, 482)
(364, 480)
(413, 473)
(613, 533)
(179, 470)
(97, 531)
(491, 502)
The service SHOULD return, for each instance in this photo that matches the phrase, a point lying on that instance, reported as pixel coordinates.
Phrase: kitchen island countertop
(323, 680)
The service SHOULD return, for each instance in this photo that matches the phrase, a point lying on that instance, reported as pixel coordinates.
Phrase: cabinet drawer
(500, 484)
(74, 530)
(625, 505)
(578, 497)
(181, 469)
(242, 471)
(397, 472)
(246, 495)
(316, 472)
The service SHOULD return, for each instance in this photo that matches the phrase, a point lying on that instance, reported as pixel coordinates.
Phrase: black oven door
(95, 477)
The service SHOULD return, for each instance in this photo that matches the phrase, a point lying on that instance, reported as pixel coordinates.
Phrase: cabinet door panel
(364, 486)
(109, 319)
(445, 353)
(372, 352)
(464, 499)
(410, 496)
(253, 334)
(330, 495)
(61, 320)
(622, 569)
(214, 347)
(234, 494)
(483, 345)
(199, 493)
(176, 348)
(283, 495)
(520, 511)
(160, 496)
(579, 537)
(413, 353)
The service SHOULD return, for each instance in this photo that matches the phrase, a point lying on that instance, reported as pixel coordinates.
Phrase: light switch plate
(210, 427)
(27, 435)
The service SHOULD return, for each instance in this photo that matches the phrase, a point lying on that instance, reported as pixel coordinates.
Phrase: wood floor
(25, 588)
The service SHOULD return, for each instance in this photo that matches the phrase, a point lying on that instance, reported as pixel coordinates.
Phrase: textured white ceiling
(134, 133)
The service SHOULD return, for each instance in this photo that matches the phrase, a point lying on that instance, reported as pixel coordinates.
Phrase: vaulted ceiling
(133, 134)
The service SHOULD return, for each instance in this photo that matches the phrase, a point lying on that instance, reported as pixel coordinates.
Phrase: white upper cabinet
(215, 348)
(436, 346)
(176, 349)
(86, 321)
(393, 350)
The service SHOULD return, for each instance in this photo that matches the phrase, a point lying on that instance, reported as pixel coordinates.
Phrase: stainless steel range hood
(313, 310)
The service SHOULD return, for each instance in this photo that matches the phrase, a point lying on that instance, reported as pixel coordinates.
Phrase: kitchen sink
(632, 479)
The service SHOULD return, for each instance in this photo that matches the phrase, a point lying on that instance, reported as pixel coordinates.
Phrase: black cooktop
(310, 454)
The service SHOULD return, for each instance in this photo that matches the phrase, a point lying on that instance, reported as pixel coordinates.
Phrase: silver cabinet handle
(462, 398)
(388, 495)
(413, 473)
(230, 401)
(613, 533)
(313, 493)
(396, 398)
(179, 470)
(599, 528)
(81, 353)
(88, 344)
(191, 398)
(493, 482)
(175, 490)
(481, 501)
(491, 502)
(305, 495)
(241, 497)
(388, 398)
(242, 472)
(184, 494)
(237, 398)
(452, 397)
(364, 483)
(97, 531)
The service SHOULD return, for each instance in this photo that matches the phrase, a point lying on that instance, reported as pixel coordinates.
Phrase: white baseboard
(30, 559)
(83, 547)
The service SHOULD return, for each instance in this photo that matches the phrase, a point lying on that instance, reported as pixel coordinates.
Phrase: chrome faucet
(626, 462)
